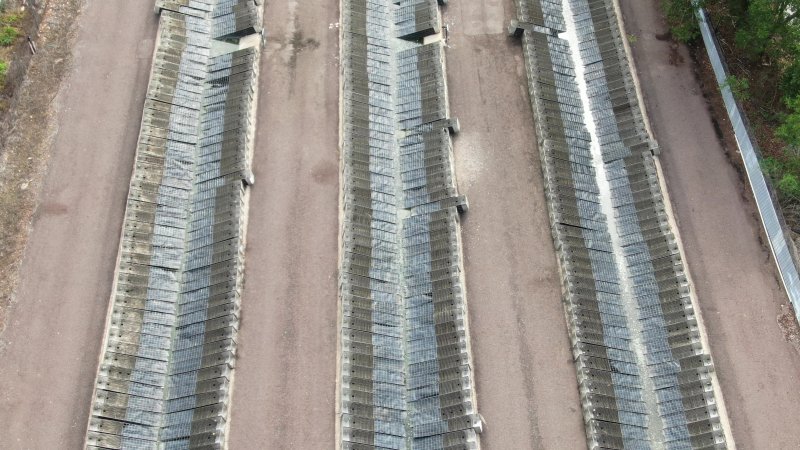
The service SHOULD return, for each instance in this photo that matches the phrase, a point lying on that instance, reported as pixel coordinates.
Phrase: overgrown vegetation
(740, 87)
(10, 23)
(681, 18)
(761, 42)
(9, 31)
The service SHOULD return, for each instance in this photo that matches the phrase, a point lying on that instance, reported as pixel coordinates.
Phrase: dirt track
(736, 280)
(286, 369)
(53, 335)
(525, 377)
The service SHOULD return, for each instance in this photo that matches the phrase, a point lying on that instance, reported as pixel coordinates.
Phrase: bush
(785, 173)
(789, 130)
(740, 87)
(8, 35)
(682, 19)
(771, 167)
(789, 186)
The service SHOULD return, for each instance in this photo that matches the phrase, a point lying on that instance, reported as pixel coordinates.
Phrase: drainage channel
(166, 369)
(645, 378)
(405, 376)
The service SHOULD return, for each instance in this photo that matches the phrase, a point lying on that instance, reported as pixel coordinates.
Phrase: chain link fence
(771, 216)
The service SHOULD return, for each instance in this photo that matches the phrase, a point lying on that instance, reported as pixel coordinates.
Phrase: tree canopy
(769, 28)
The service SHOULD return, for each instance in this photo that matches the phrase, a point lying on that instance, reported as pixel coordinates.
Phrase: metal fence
(771, 216)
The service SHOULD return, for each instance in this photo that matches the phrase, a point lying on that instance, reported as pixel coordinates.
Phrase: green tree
(789, 130)
(790, 80)
(740, 87)
(769, 28)
(682, 18)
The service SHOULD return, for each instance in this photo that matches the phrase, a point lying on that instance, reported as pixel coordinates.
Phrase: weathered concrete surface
(526, 384)
(735, 279)
(286, 371)
(50, 347)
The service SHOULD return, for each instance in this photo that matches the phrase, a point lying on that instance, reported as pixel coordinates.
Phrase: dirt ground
(736, 280)
(50, 347)
(27, 129)
(286, 367)
(525, 378)
(283, 395)
(284, 389)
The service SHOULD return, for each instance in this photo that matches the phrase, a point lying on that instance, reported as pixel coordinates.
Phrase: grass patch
(3, 72)
(9, 27)
(8, 35)
(11, 18)
(12, 24)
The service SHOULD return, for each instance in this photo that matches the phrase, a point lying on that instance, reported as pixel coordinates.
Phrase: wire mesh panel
(406, 373)
(372, 407)
(416, 19)
(165, 375)
(543, 13)
(614, 379)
